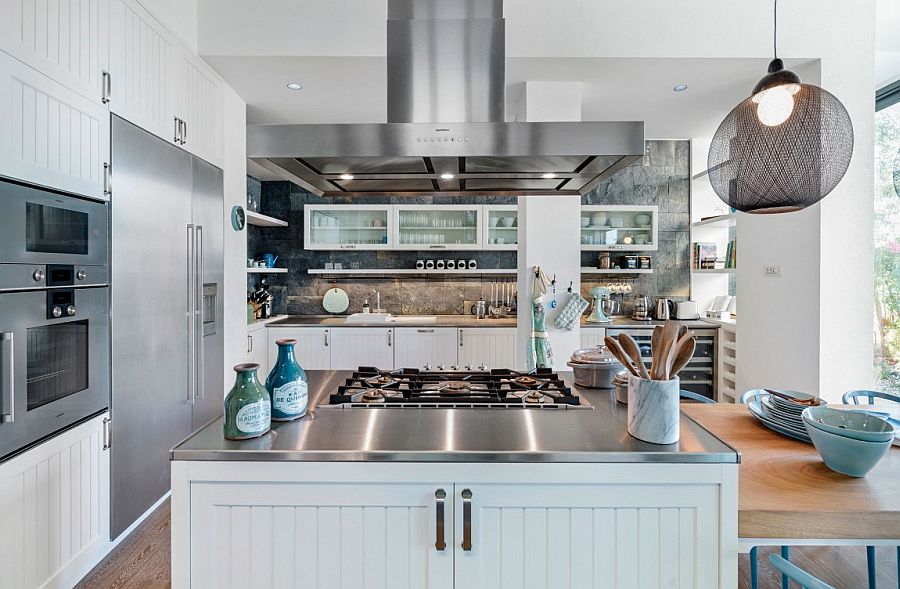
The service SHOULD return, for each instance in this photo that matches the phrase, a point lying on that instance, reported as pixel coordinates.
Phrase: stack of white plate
(779, 414)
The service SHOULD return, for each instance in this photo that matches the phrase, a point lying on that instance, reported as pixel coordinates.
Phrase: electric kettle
(665, 309)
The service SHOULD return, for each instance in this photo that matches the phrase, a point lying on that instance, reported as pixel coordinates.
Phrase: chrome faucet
(377, 308)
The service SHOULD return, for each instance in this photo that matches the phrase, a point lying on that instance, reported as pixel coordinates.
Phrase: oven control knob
(56, 312)
(70, 310)
(81, 275)
(38, 275)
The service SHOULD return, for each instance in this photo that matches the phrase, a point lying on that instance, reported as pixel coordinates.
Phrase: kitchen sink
(413, 319)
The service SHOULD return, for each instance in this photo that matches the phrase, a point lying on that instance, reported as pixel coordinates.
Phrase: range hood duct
(446, 131)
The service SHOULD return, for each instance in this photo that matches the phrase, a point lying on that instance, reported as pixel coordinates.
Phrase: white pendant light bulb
(775, 105)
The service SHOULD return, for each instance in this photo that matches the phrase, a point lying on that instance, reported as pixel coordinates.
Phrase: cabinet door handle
(439, 496)
(183, 132)
(107, 433)
(348, 247)
(190, 314)
(107, 179)
(460, 338)
(249, 343)
(177, 138)
(425, 331)
(326, 338)
(8, 386)
(390, 338)
(467, 519)
(106, 87)
(437, 247)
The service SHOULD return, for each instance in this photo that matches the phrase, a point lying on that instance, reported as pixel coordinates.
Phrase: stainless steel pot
(594, 368)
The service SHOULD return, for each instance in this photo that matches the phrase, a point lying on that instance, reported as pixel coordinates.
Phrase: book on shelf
(704, 255)
(731, 255)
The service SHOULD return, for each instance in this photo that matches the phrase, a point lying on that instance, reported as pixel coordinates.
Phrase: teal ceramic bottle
(287, 384)
(248, 411)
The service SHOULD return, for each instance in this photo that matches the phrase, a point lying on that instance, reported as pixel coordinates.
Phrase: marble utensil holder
(653, 410)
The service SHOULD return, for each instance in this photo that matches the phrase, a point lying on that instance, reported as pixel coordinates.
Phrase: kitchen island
(441, 498)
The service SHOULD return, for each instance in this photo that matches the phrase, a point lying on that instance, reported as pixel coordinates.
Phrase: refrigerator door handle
(8, 387)
(190, 312)
(198, 312)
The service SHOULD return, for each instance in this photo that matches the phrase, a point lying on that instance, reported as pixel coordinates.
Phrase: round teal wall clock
(238, 218)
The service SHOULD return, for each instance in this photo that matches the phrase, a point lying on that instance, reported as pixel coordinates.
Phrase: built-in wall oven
(54, 313)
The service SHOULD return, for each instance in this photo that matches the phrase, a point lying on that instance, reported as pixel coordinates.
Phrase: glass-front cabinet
(449, 227)
(501, 227)
(619, 227)
(335, 227)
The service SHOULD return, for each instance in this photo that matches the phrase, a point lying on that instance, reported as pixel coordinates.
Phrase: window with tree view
(887, 249)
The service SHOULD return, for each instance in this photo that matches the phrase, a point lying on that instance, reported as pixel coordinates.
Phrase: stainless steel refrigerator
(167, 342)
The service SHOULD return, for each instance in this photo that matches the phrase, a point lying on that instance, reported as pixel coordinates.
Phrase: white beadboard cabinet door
(64, 39)
(142, 65)
(313, 349)
(417, 347)
(592, 336)
(257, 350)
(54, 508)
(319, 536)
(352, 347)
(588, 536)
(493, 347)
(50, 135)
(199, 103)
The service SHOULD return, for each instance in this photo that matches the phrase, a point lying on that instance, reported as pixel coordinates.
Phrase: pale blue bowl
(845, 455)
(850, 424)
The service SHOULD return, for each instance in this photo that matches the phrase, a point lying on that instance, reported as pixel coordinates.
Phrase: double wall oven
(54, 313)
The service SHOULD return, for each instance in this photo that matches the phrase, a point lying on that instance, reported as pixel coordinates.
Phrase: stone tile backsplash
(661, 178)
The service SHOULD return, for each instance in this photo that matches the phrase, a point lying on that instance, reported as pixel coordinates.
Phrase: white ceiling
(353, 89)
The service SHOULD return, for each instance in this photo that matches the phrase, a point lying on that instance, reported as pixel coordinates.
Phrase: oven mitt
(569, 315)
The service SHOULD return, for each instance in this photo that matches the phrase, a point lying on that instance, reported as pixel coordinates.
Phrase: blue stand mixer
(598, 293)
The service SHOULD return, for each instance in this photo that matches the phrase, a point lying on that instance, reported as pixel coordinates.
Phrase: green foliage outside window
(887, 251)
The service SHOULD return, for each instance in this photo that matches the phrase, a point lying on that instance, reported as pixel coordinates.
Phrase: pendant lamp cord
(775, 28)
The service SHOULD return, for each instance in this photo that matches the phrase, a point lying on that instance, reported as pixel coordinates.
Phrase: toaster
(687, 310)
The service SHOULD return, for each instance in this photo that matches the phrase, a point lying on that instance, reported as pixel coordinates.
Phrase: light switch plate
(773, 271)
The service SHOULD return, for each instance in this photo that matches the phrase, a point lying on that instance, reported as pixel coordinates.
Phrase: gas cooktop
(370, 387)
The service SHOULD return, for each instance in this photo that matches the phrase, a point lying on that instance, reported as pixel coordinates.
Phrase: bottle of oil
(248, 411)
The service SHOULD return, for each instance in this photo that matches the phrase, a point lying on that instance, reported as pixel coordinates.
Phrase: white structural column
(549, 237)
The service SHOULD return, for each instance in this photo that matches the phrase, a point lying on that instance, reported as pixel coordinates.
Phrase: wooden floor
(141, 561)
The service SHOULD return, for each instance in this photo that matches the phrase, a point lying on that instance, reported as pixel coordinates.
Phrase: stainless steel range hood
(446, 132)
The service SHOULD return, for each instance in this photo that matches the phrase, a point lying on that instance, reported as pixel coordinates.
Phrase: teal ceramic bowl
(850, 424)
(845, 455)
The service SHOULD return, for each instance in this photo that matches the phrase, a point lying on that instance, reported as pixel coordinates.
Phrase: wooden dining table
(787, 496)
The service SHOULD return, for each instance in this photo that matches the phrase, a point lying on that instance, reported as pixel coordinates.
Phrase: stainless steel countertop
(465, 321)
(454, 435)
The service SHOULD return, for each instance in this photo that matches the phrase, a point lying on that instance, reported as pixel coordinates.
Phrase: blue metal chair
(691, 395)
(853, 397)
(856, 398)
(796, 574)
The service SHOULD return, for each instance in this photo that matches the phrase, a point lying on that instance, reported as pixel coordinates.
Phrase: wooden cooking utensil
(631, 348)
(616, 350)
(683, 354)
(668, 339)
(654, 349)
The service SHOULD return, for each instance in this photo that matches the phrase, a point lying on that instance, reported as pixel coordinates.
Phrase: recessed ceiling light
(680, 88)
(548, 175)
(346, 176)
(295, 86)
(446, 176)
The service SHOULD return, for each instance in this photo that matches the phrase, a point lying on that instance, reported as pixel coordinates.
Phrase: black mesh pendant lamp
(782, 149)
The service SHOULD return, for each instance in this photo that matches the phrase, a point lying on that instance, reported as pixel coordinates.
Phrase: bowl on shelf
(617, 222)
(585, 221)
(845, 455)
(598, 219)
(850, 424)
(494, 221)
(642, 219)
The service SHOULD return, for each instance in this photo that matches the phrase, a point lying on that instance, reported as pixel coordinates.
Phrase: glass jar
(287, 384)
(247, 407)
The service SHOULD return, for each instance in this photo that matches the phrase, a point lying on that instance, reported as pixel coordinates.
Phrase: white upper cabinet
(446, 227)
(354, 227)
(199, 107)
(141, 58)
(64, 39)
(619, 227)
(501, 227)
(49, 134)
(161, 87)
